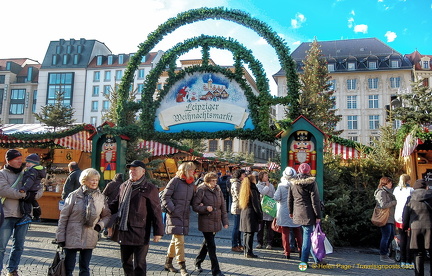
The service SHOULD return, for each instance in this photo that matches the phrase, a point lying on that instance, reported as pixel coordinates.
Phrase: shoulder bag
(57, 267)
(380, 216)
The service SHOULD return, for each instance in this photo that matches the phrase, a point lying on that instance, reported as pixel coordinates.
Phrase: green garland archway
(201, 14)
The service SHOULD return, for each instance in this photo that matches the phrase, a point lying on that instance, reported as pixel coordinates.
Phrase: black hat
(136, 163)
(33, 158)
(419, 184)
(12, 154)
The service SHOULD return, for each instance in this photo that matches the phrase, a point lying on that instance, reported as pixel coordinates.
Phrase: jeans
(133, 258)
(307, 244)
(176, 248)
(236, 234)
(387, 235)
(209, 246)
(84, 261)
(18, 233)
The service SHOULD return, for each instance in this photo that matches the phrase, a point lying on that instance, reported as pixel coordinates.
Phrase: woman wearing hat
(417, 217)
(282, 215)
(304, 206)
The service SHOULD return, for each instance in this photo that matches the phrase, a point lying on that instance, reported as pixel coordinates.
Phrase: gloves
(97, 228)
(61, 244)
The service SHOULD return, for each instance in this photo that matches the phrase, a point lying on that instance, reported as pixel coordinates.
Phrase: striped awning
(344, 151)
(157, 149)
(78, 141)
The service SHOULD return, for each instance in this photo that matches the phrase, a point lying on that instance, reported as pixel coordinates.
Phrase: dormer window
(372, 65)
(394, 63)
(351, 66)
(425, 64)
(121, 59)
(99, 60)
(331, 67)
(110, 59)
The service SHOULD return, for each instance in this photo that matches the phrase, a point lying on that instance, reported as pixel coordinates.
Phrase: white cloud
(361, 28)
(352, 12)
(298, 21)
(261, 41)
(391, 36)
(296, 43)
(350, 22)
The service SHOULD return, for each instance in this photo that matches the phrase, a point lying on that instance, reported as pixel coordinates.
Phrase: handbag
(318, 246)
(269, 205)
(380, 216)
(57, 267)
(276, 227)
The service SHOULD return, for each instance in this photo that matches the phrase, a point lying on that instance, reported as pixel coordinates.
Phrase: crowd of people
(129, 211)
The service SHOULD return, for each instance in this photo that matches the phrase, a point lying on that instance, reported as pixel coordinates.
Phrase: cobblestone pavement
(39, 252)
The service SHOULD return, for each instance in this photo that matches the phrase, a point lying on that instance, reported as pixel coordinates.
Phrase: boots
(169, 266)
(183, 270)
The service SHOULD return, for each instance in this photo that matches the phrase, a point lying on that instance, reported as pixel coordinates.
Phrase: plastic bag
(318, 247)
(269, 206)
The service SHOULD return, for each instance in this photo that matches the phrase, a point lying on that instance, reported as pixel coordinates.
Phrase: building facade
(366, 75)
(422, 67)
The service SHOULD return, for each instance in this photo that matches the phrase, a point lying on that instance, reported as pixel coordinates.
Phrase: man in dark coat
(138, 208)
(72, 181)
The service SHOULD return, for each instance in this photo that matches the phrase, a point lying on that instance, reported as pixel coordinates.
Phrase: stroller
(394, 249)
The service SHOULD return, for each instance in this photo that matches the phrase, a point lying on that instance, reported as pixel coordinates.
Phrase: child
(32, 177)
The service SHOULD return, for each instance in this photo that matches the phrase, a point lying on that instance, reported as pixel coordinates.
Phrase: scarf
(89, 208)
(123, 212)
(189, 180)
(14, 170)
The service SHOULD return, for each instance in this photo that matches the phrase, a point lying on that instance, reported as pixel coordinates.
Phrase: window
(372, 65)
(34, 101)
(373, 101)
(395, 82)
(93, 121)
(140, 87)
(1, 100)
(2, 79)
(106, 89)
(373, 83)
(16, 121)
(352, 122)
(372, 140)
(118, 74)
(95, 92)
(351, 102)
(96, 76)
(110, 60)
(54, 59)
(351, 66)
(213, 145)
(159, 86)
(79, 49)
(373, 121)
(94, 106)
(76, 59)
(332, 84)
(425, 64)
(228, 145)
(18, 94)
(353, 138)
(107, 76)
(60, 82)
(425, 82)
(65, 59)
(121, 59)
(394, 64)
(333, 99)
(141, 73)
(16, 109)
(69, 49)
(351, 84)
(331, 67)
(105, 105)
(99, 60)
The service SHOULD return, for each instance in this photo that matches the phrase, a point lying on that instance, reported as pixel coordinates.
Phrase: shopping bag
(269, 206)
(317, 239)
(380, 216)
(328, 247)
(57, 267)
(276, 227)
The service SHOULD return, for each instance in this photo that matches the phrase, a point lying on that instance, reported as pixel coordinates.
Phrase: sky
(29, 26)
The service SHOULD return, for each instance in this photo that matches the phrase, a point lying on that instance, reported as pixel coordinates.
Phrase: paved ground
(39, 252)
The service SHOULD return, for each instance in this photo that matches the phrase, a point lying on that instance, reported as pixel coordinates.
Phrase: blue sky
(29, 26)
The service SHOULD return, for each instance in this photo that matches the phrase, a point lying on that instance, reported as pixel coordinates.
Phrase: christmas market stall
(56, 149)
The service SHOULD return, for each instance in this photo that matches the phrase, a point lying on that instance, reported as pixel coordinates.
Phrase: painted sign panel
(204, 102)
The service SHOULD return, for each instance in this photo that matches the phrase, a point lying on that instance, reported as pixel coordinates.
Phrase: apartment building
(422, 67)
(366, 75)
(18, 90)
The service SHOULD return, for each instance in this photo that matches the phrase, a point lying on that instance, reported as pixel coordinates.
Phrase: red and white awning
(346, 152)
(157, 149)
(78, 141)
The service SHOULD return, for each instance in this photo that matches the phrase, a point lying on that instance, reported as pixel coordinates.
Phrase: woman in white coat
(84, 215)
(282, 216)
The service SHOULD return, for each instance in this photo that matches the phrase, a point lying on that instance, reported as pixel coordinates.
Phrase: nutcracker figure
(302, 150)
(108, 158)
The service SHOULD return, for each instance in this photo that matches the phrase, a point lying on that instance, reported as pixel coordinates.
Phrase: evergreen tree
(198, 145)
(57, 114)
(416, 106)
(315, 101)
(111, 114)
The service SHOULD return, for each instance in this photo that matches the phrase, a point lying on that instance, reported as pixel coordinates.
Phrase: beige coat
(71, 227)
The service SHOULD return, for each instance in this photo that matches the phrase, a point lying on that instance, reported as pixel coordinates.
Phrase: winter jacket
(111, 190)
(417, 216)
(385, 199)
(266, 190)
(32, 178)
(252, 215)
(144, 214)
(177, 198)
(11, 206)
(235, 191)
(401, 194)
(72, 183)
(214, 220)
(281, 196)
(303, 200)
(71, 228)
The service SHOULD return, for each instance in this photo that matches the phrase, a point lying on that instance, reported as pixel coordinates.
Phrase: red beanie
(304, 168)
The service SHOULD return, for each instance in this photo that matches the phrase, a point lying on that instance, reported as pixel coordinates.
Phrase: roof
(115, 60)
(415, 58)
